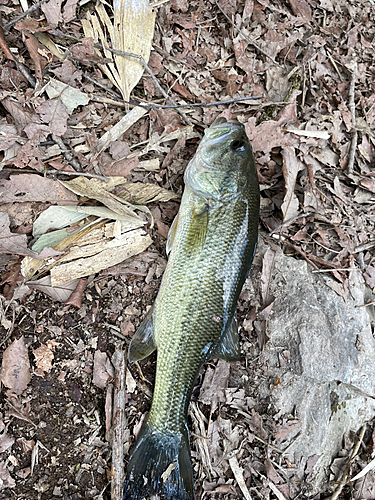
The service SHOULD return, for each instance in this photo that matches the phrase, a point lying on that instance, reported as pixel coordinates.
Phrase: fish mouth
(222, 130)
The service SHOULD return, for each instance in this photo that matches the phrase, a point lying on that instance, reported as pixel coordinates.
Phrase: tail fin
(160, 463)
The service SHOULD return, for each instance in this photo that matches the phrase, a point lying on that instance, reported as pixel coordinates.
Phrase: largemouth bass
(194, 319)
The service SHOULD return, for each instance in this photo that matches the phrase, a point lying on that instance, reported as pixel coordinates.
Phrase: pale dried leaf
(291, 167)
(56, 217)
(54, 113)
(139, 193)
(60, 293)
(52, 11)
(100, 190)
(103, 370)
(122, 126)
(15, 368)
(215, 382)
(44, 357)
(129, 244)
(69, 96)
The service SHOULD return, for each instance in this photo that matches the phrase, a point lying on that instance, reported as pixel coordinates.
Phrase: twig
(203, 104)
(353, 142)
(118, 425)
(301, 252)
(24, 14)
(289, 221)
(344, 478)
(365, 246)
(245, 36)
(67, 154)
(101, 85)
(367, 304)
(83, 174)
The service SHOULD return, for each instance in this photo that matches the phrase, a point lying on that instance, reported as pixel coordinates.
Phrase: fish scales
(194, 316)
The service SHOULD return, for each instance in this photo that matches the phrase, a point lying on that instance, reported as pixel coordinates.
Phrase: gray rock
(322, 349)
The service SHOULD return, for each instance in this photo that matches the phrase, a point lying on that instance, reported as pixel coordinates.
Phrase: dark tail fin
(160, 463)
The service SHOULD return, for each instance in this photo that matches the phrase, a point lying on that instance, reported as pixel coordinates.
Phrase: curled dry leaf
(75, 298)
(15, 368)
(139, 193)
(291, 167)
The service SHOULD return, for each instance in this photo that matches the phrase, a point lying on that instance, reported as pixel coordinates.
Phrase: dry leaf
(291, 167)
(75, 298)
(116, 251)
(33, 187)
(52, 11)
(44, 357)
(132, 31)
(15, 368)
(6, 480)
(53, 112)
(60, 293)
(100, 191)
(139, 193)
(103, 370)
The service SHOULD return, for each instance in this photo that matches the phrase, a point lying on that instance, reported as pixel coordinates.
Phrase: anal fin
(228, 346)
(142, 344)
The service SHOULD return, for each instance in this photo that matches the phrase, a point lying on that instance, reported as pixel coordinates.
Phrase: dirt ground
(312, 134)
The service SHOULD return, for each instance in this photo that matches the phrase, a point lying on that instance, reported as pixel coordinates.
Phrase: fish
(211, 245)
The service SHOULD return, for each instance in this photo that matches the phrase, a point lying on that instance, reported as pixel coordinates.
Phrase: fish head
(223, 164)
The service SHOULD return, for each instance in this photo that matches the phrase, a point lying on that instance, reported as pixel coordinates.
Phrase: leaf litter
(316, 203)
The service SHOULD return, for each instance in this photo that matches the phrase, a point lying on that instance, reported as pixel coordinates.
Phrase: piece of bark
(118, 425)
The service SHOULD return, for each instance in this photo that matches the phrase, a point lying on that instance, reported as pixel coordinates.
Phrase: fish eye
(238, 145)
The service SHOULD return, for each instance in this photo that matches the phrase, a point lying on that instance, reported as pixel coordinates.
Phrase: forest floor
(312, 133)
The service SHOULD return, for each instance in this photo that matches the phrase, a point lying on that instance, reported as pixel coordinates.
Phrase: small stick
(247, 38)
(83, 174)
(289, 221)
(118, 425)
(353, 142)
(67, 154)
(24, 14)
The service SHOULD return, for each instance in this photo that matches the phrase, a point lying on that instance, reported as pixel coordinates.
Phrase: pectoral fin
(197, 229)
(142, 344)
(228, 347)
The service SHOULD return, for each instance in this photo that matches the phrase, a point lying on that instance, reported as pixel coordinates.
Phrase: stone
(321, 349)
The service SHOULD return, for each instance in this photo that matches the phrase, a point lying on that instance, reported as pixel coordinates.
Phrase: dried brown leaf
(52, 11)
(301, 8)
(75, 298)
(32, 46)
(20, 115)
(33, 187)
(69, 10)
(15, 368)
(53, 112)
